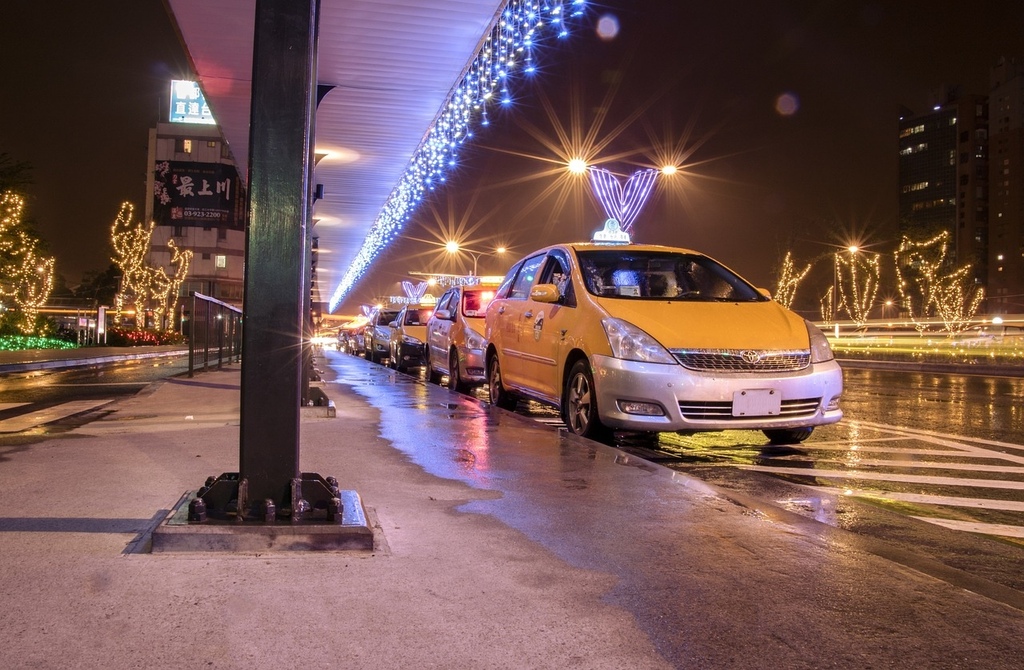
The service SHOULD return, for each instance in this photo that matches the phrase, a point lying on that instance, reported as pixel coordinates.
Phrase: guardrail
(214, 330)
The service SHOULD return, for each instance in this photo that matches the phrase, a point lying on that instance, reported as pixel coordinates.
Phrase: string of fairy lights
(26, 276)
(506, 51)
(143, 285)
(926, 283)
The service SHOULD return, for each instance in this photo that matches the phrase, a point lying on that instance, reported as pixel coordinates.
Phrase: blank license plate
(756, 402)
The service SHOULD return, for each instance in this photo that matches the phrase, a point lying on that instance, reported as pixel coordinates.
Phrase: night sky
(82, 86)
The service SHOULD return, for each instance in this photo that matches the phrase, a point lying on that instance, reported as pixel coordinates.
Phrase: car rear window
(417, 317)
(474, 303)
(621, 272)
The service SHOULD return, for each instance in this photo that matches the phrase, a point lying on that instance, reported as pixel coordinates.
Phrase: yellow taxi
(652, 338)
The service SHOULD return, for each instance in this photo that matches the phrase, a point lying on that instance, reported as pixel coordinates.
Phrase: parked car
(377, 334)
(650, 339)
(455, 337)
(408, 335)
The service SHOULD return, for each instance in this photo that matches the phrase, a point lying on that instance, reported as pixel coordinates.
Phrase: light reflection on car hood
(713, 325)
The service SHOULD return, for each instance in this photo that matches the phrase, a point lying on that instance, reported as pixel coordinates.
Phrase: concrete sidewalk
(502, 543)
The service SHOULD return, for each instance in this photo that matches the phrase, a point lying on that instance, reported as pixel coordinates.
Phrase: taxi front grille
(700, 410)
(742, 360)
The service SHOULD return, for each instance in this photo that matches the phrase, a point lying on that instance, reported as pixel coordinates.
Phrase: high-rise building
(196, 198)
(943, 173)
(1006, 196)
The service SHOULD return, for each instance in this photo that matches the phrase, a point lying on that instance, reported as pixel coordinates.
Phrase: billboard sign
(196, 194)
(188, 104)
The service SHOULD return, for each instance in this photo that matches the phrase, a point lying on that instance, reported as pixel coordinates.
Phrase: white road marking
(1002, 529)
(926, 465)
(32, 419)
(880, 476)
(942, 436)
(925, 499)
(857, 449)
(99, 384)
(11, 405)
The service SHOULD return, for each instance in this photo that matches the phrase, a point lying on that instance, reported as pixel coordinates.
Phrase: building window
(179, 231)
(206, 257)
(222, 261)
(183, 146)
(222, 233)
(212, 144)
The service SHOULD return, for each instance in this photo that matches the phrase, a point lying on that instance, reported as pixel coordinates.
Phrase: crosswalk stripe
(926, 499)
(32, 419)
(1002, 529)
(856, 449)
(932, 433)
(879, 476)
(11, 405)
(929, 465)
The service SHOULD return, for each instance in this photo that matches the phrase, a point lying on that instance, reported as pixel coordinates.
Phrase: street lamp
(454, 247)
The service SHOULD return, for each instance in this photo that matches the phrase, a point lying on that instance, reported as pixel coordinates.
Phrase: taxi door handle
(501, 310)
(527, 315)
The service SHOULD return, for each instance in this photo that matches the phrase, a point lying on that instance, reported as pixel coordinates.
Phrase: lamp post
(454, 247)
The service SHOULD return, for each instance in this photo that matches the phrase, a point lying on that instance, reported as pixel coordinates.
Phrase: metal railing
(214, 330)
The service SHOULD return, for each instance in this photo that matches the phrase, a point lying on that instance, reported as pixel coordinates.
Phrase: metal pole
(280, 165)
(192, 339)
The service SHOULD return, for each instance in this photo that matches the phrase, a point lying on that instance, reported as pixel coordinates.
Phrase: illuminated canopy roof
(388, 122)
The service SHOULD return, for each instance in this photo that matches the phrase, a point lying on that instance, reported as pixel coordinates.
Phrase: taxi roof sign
(612, 233)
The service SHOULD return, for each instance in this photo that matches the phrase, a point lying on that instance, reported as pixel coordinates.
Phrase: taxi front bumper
(655, 397)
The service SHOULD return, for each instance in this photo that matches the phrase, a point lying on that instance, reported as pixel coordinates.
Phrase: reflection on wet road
(945, 449)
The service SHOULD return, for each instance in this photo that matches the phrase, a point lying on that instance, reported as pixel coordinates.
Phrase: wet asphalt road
(704, 591)
(53, 394)
(931, 463)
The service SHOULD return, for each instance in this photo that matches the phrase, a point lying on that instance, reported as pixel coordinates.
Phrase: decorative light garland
(951, 297)
(622, 203)
(863, 270)
(25, 276)
(789, 280)
(141, 284)
(507, 49)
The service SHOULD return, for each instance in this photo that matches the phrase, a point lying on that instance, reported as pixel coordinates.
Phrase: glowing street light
(578, 166)
(454, 247)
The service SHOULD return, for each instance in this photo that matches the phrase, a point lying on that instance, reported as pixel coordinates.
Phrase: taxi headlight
(632, 344)
(406, 339)
(474, 340)
(821, 351)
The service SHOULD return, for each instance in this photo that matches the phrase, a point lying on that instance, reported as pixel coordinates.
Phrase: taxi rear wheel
(579, 407)
(433, 375)
(788, 435)
(499, 396)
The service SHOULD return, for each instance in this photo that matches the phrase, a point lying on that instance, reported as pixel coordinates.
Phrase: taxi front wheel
(788, 435)
(579, 406)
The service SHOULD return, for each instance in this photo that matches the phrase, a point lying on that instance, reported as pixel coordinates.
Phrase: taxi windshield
(659, 275)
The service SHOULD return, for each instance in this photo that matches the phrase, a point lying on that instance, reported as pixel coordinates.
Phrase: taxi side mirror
(443, 314)
(765, 292)
(393, 324)
(544, 293)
